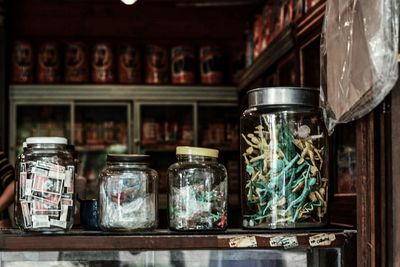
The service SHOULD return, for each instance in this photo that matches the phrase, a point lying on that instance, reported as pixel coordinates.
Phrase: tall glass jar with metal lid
(283, 146)
(44, 199)
(198, 190)
(128, 194)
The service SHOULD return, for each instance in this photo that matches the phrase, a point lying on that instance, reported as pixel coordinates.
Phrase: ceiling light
(128, 2)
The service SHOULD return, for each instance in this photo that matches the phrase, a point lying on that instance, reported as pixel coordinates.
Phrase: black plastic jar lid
(128, 158)
(275, 96)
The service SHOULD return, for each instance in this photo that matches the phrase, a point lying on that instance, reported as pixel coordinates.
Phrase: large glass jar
(283, 148)
(44, 199)
(198, 190)
(128, 194)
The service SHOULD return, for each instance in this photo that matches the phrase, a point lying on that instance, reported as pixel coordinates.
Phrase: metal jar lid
(135, 158)
(276, 96)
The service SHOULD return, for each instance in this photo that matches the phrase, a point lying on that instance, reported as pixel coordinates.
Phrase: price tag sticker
(321, 240)
(243, 242)
(284, 241)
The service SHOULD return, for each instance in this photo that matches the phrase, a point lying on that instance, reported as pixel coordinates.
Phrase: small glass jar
(283, 148)
(128, 194)
(44, 199)
(198, 190)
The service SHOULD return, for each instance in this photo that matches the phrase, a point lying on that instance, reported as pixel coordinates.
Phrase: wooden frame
(289, 65)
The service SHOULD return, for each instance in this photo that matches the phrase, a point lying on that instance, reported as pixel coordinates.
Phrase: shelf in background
(15, 240)
(122, 92)
(283, 43)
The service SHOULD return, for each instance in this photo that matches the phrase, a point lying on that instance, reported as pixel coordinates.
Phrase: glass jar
(45, 186)
(127, 194)
(198, 190)
(283, 149)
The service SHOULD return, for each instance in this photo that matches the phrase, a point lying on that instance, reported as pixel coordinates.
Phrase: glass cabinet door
(99, 129)
(218, 126)
(163, 126)
(39, 120)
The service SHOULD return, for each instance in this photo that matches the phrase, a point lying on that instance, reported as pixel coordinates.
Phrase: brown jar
(211, 65)
(156, 65)
(22, 62)
(182, 65)
(75, 63)
(129, 67)
(48, 63)
(102, 63)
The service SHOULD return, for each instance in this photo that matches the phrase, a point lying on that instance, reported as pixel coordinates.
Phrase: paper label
(41, 224)
(64, 213)
(68, 175)
(26, 214)
(28, 187)
(22, 184)
(284, 241)
(58, 223)
(40, 171)
(50, 166)
(243, 242)
(57, 175)
(321, 239)
(66, 202)
(46, 184)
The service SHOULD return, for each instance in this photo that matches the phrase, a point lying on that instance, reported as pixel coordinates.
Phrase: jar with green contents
(283, 148)
(198, 190)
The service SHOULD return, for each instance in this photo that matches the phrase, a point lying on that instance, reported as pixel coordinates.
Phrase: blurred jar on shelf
(157, 65)
(48, 63)
(129, 67)
(102, 63)
(76, 63)
(211, 65)
(22, 62)
(182, 65)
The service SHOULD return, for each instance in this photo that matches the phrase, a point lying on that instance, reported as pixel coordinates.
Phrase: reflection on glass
(41, 121)
(346, 158)
(219, 127)
(329, 257)
(99, 130)
(165, 127)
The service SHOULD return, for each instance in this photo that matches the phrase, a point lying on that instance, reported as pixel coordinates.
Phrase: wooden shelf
(15, 240)
(280, 46)
(283, 43)
(93, 92)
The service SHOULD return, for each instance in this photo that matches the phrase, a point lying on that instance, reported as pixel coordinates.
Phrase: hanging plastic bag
(359, 54)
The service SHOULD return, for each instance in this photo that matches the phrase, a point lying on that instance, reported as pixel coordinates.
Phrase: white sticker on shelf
(321, 239)
(284, 241)
(243, 242)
